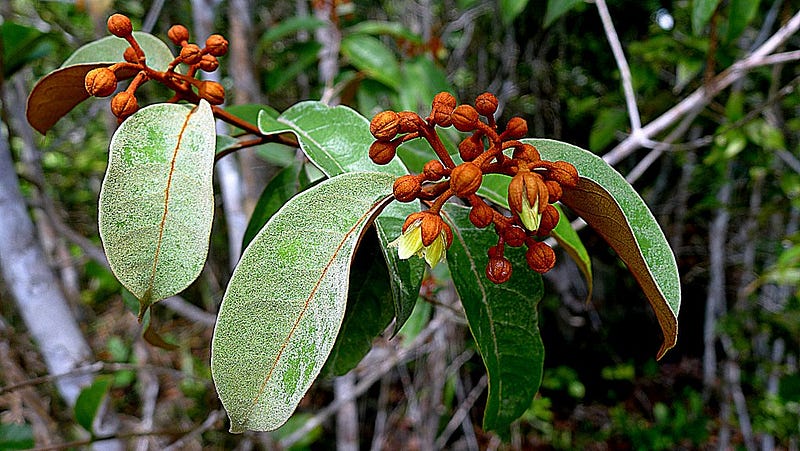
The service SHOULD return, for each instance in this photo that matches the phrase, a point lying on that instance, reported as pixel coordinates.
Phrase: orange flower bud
(382, 152)
(216, 45)
(130, 55)
(554, 191)
(208, 63)
(212, 91)
(442, 107)
(178, 34)
(124, 104)
(549, 221)
(540, 257)
(385, 125)
(409, 122)
(563, 173)
(470, 147)
(514, 236)
(431, 227)
(527, 198)
(465, 179)
(100, 82)
(434, 170)
(191, 54)
(119, 25)
(498, 270)
(481, 215)
(486, 104)
(406, 188)
(527, 153)
(517, 128)
(464, 118)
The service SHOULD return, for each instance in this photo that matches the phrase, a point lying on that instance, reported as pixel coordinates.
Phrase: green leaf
(502, 318)
(289, 27)
(702, 10)
(278, 191)
(510, 9)
(89, 400)
(394, 29)
(569, 240)
(369, 308)
(557, 8)
(741, 13)
(608, 203)
(605, 127)
(371, 56)
(21, 45)
(59, 92)
(304, 55)
(16, 436)
(157, 200)
(285, 302)
(337, 140)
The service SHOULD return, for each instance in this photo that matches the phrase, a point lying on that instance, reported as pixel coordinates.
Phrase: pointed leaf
(702, 10)
(557, 8)
(510, 9)
(371, 56)
(157, 200)
(337, 140)
(62, 90)
(608, 203)
(502, 318)
(285, 302)
(89, 400)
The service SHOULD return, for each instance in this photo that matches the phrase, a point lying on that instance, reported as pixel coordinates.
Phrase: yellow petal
(436, 252)
(530, 216)
(410, 242)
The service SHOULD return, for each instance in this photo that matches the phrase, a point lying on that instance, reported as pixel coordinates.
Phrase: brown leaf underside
(596, 206)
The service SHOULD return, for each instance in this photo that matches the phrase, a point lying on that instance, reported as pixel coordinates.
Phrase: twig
(622, 64)
(210, 421)
(462, 412)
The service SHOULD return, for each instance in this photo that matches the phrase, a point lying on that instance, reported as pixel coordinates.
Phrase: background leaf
(702, 10)
(569, 240)
(503, 319)
(557, 8)
(510, 9)
(285, 302)
(615, 210)
(371, 56)
(157, 200)
(89, 400)
(62, 90)
(16, 436)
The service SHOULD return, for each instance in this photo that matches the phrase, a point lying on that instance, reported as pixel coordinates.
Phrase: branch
(703, 95)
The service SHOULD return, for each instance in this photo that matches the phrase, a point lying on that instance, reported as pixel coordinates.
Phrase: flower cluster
(535, 183)
(102, 82)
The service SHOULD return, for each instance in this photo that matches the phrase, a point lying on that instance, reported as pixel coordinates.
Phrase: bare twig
(462, 412)
(210, 422)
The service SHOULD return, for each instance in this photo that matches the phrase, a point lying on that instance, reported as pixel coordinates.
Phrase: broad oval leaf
(157, 199)
(610, 205)
(503, 319)
(285, 302)
(62, 90)
(337, 140)
(372, 57)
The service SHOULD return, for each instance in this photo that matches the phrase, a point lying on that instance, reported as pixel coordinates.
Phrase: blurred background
(708, 135)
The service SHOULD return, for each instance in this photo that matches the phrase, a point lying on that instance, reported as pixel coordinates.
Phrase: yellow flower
(420, 228)
(529, 214)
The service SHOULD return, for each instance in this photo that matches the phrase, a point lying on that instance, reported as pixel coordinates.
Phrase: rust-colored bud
(498, 270)
(124, 104)
(434, 170)
(514, 236)
(409, 122)
(208, 63)
(406, 188)
(442, 107)
(481, 215)
(517, 128)
(130, 55)
(100, 82)
(431, 227)
(382, 152)
(464, 118)
(178, 34)
(385, 125)
(211, 91)
(527, 153)
(471, 147)
(563, 173)
(486, 104)
(216, 45)
(191, 54)
(554, 191)
(540, 257)
(465, 179)
(549, 221)
(119, 25)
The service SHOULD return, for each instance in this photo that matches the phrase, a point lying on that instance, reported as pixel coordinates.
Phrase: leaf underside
(157, 200)
(284, 305)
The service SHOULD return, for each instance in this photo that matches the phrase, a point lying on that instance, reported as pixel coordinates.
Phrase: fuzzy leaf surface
(502, 318)
(337, 140)
(60, 91)
(610, 205)
(285, 303)
(157, 199)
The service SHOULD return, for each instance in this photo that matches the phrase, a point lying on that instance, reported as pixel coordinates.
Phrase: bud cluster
(535, 183)
(102, 82)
